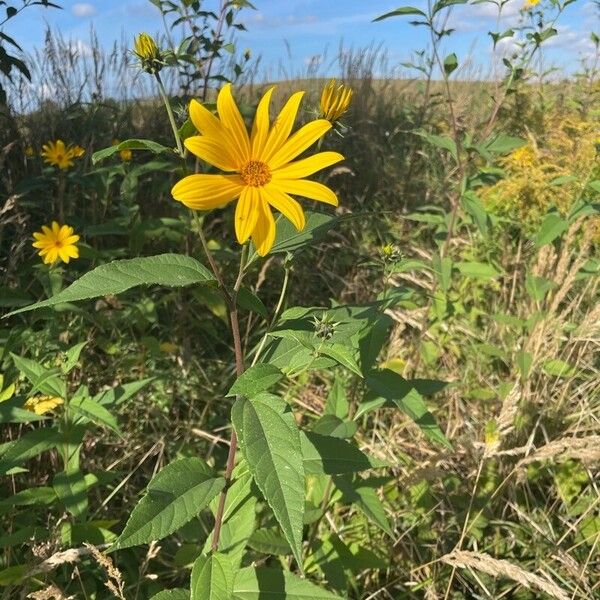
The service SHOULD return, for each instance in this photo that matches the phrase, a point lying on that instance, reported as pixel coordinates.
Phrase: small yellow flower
(56, 242)
(531, 3)
(125, 155)
(147, 51)
(260, 167)
(40, 405)
(60, 155)
(523, 158)
(29, 151)
(335, 101)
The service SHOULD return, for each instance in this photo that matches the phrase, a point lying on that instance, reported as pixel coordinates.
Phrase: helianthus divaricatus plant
(259, 169)
(60, 155)
(57, 242)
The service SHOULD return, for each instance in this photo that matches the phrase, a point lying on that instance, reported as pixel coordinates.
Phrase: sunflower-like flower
(60, 155)
(260, 168)
(145, 48)
(530, 3)
(56, 242)
(335, 101)
(40, 405)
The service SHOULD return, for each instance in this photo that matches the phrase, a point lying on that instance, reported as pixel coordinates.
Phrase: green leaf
(450, 63)
(538, 287)
(71, 488)
(559, 368)
(261, 583)
(90, 410)
(268, 541)
(444, 142)
(28, 446)
(288, 239)
(176, 494)
(524, 360)
(333, 426)
(552, 227)
(30, 497)
(503, 144)
(364, 497)
(401, 392)
(477, 270)
(443, 271)
(343, 355)
(133, 144)
(255, 380)
(172, 270)
(72, 357)
(121, 393)
(174, 594)
(250, 301)
(337, 402)
(402, 11)
(212, 578)
(270, 441)
(473, 205)
(11, 412)
(47, 381)
(325, 455)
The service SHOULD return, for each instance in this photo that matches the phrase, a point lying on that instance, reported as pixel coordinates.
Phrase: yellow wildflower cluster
(40, 405)
(60, 155)
(568, 148)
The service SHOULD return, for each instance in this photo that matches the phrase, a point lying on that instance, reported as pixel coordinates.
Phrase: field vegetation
(397, 396)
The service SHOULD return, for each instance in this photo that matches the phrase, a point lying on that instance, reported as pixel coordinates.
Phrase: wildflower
(260, 168)
(523, 157)
(335, 101)
(390, 252)
(56, 242)
(125, 155)
(325, 326)
(40, 405)
(60, 155)
(29, 151)
(147, 51)
(530, 3)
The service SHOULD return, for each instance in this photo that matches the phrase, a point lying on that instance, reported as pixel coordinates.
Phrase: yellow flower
(335, 101)
(29, 151)
(125, 155)
(147, 51)
(531, 3)
(523, 157)
(60, 155)
(57, 242)
(40, 405)
(260, 168)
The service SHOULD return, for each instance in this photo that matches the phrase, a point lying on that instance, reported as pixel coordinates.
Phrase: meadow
(258, 344)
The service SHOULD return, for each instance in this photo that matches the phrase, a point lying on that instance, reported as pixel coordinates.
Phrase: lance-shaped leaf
(212, 578)
(256, 583)
(176, 494)
(171, 270)
(28, 446)
(270, 441)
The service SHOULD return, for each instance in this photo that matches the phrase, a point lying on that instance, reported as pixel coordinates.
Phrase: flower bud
(147, 51)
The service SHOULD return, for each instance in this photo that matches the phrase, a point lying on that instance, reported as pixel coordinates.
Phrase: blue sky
(292, 33)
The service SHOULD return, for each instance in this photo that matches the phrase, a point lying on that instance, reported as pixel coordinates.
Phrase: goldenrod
(56, 242)
(59, 155)
(260, 168)
(335, 101)
(40, 405)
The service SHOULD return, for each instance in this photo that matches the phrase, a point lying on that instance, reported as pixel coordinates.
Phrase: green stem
(165, 99)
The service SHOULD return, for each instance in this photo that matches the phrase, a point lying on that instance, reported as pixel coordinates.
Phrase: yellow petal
(260, 128)
(282, 127)
(42, 244)
(64, 255)
(72, 239)
(65, 232)
(55, 228)
(286, 205)
(307, 166)
(299, 142)
(246, 213)
(204, 192)
(307, 189)
(204, 121)
(72, 251)
(47, 231)
(50, 256)
(234, 123)
(212, 151)
(263, 235)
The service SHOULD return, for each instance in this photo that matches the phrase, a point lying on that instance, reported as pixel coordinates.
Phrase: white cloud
(83, 9)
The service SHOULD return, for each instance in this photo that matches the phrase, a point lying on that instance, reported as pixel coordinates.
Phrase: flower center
(255, 173)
